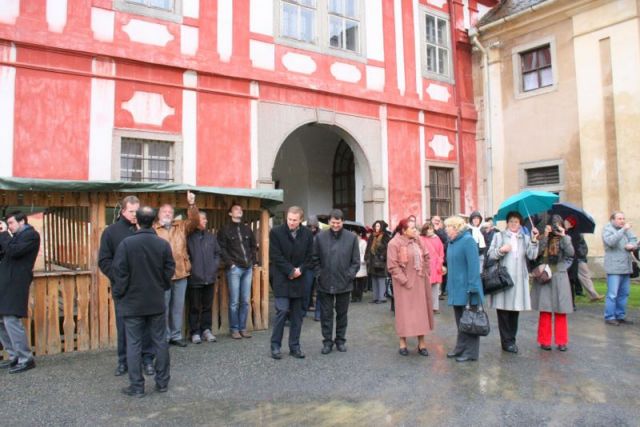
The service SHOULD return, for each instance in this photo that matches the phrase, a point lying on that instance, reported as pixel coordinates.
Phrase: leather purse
(474, 322)
(495, 277)
(542, 274)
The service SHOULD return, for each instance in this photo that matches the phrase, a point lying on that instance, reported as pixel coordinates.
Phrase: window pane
(163, 4)
(544, 57)
(352, 35)
(159, 149)
(308, 3)
(546, 77)
(350, 8)
(307, 25)
(442, 32)
(530, 81)
(431, 59)
(335, 31)
(528, 61)
(289, 21)
(336, 6)
(431, 29)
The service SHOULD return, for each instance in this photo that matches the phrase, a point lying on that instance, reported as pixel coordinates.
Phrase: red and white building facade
(363, 104)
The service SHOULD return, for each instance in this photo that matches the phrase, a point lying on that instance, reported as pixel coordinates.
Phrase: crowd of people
(155, 261)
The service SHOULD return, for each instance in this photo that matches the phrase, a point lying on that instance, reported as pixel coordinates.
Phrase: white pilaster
(385, 157)
(255, 92)
(423, 167)
(101, 122)
(418, 38)
(189, 128)
(7, 104)
(375, 37)
(225, 29)
(56, 15)
(261, 17)
(397, 15)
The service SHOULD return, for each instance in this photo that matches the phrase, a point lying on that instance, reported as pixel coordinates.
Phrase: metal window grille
(145, 160)
(441, 189)
(548, 175)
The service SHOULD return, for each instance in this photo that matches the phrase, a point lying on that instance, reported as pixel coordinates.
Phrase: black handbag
(634, 266)
(474, 322)
(495, 277)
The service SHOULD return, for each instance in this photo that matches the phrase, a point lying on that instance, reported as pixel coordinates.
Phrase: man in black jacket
(238, 248)
(16, 274)
(111, 237)
(204, 253)
(336, 259)
(290, 253)
(142, 269)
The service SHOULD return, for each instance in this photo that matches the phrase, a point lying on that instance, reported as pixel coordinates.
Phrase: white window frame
(174, 139)
(516, 59)
(321, 42)
(426, 73)
(174, 14)
(555, 188)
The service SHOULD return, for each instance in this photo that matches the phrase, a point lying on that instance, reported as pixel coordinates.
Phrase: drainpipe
(486, 89)
(456, 96)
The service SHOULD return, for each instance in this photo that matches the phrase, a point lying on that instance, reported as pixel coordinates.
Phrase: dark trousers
(200, 302)
(329, 303)
(147, 350)
(154, 326)
(508, 326)
(308, 278)
(466, 345)
(443, 285)
(287, 308)
(359, 284)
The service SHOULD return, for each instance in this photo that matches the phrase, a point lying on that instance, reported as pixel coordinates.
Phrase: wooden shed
(70, 305)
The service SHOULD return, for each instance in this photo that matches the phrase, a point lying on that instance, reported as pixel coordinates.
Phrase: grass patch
(601, 288)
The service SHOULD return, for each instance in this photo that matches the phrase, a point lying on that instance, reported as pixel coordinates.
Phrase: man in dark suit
(142, 269)
(16, 274)
(290, 252)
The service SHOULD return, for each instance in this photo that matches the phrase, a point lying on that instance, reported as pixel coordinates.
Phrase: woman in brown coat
(408, 265)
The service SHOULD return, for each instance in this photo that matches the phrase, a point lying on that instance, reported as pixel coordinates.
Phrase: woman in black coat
(376, 259)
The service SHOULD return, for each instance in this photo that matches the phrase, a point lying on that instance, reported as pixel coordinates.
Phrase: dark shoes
(625, 322)
(179, 343)
(511, 349)
(403, 351)
(381, 301)
(423, 352)
(298, 354)
(5, 364)
(462, 359)
(149, 369)
(341, 347)
(453, 354)
(562, 348)
(21, 367)
(276, 353)
(133, 393)
(120, 370)
(245, 334)
(612, 322)
(161, 389)
(326, 349)
(373, 301)
(236, 335)
(545, 347)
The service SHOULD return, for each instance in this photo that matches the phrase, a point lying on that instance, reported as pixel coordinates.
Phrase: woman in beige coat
(408, 265)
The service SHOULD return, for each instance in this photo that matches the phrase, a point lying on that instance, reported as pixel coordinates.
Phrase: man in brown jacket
(175, 232)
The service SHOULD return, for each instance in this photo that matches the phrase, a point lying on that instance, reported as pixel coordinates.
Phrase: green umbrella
(526, 203)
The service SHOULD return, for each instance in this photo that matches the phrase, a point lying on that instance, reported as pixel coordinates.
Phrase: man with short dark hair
(290, 253)
(16, 274)
(336, 258)
(142, 268)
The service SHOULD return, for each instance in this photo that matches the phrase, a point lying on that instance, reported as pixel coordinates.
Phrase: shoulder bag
(495, 276)
(474, 322)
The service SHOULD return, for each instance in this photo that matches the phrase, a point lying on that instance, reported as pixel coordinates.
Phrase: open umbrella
(586, 223)
(526, 203)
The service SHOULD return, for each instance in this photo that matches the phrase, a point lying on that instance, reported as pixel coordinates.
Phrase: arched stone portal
(296, 150)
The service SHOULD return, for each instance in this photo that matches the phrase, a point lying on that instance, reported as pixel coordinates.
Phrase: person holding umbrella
(579, 273)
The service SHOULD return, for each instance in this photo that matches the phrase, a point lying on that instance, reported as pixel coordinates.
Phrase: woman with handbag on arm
(376, 259)
(408, 264)
(512, 248)
(464, 285)
(551, 290)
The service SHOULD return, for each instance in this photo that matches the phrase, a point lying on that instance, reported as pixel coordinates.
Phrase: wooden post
(256, 296)
(83, 289)
(97, 221)
(264, 250)
(68, 300)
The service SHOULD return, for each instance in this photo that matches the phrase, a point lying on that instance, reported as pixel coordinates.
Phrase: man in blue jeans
(238, 250)
(619, 241)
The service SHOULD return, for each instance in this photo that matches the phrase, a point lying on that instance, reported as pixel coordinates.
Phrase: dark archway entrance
(344, 182)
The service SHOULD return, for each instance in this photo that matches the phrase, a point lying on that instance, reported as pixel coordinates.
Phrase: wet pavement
(595, 383)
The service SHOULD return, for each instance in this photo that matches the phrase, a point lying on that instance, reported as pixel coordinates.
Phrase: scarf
(414, 247)
(376, 242)
(553, 249)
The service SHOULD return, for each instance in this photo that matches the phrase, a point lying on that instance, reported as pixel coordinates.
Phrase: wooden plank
(215, 307)
(53, 319)
(40, 314)
(83, 284)
(224, 308)
(264, 299)
(264, 259)
(256, 309)
(68, 300)
(97, 221)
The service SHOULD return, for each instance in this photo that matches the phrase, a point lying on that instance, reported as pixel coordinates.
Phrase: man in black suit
(16, 274)
(142, 269)
(290, 252)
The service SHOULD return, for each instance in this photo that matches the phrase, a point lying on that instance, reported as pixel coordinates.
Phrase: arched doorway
(317, 169)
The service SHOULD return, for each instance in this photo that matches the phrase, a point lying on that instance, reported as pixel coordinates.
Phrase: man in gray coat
(336, 260)
(619, 241)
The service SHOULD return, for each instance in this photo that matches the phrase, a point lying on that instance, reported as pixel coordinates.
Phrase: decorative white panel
(438, 92)
(188, 40)
(437, 3)
(374, 35)
(56, 15)
(189, 127)
(345, 72)
(102, 24)
(9, 11)
(7, 108)
(299, 63)
(261, 17)
(101, 121)
(148, 108)
(262, 54)
(441, 146)
(397, 15)
(191, 8)
(225, 30)
(375, 78)
(148, 32)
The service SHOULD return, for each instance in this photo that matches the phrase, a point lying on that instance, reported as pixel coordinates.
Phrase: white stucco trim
(423, 166)
(225, 29)
(374, 37)
(189, 128)
(9, 11)
(188, 40)
(397, 16)
(384, 154)
(148, 32)
(191, 8)
(262, 55)
(417, 45)
(101, 121)
(261, 17)
(254, 89)
(56, 15)
(102, 24)
(7, 108)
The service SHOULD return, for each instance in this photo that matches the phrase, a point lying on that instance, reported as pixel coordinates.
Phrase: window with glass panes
(298, 20)
(437, 45)
(536, 68)
(145, 160)
(159, 4)
(344, 25)
(441, 189)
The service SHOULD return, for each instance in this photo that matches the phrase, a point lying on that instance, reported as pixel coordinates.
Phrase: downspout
(456, 96)
(486, 89)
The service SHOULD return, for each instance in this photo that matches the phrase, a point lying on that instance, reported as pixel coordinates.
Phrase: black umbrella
(585, 224)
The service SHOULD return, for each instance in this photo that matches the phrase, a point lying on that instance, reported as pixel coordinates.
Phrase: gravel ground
(232, 382)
